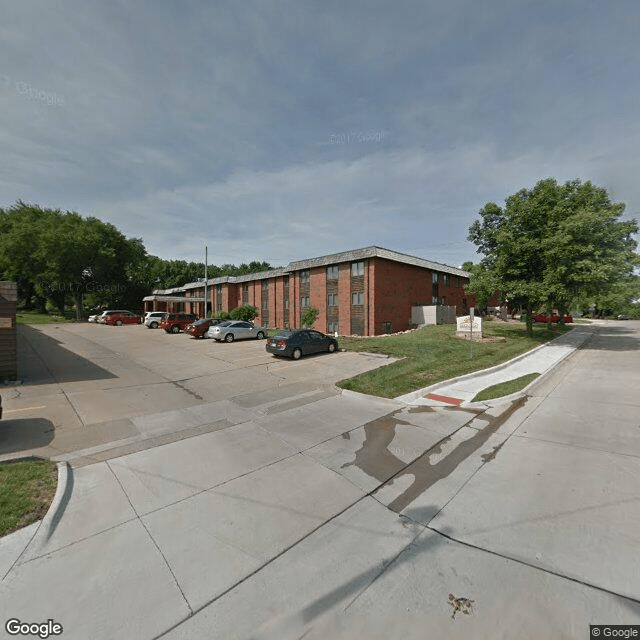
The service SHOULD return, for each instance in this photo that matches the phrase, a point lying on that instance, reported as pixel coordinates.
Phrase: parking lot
(91, 392)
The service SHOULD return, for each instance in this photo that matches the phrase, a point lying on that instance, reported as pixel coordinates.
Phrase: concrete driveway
(298, 509)
(92, 392)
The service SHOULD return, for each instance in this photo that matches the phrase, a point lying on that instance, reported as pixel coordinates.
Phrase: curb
(53, 515)
(412, 395)
(56, 507)
(514, 396)
(19, 548)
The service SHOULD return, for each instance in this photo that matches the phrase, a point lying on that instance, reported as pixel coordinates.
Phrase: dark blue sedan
(295, 343)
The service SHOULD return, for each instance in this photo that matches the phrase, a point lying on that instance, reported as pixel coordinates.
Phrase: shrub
(245, 312)
(309, 316)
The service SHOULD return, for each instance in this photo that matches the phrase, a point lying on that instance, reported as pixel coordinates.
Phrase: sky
(279, 131)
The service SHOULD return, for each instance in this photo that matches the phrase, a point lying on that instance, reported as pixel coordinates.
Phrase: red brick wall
(398, 287)
(344, 298)
(8, 331)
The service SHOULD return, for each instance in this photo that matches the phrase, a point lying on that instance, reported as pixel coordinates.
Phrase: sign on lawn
(468, 325)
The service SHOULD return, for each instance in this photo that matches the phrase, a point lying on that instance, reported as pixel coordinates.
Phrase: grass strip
(33, 317)
(27, 488)
(505, 388)
(433, 354)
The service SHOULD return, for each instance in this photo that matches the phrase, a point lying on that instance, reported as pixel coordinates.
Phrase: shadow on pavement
(42, 360)
(613, 339)
(24, 434)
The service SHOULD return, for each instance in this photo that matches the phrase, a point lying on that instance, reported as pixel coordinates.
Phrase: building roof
(333, 258)
(374, 252)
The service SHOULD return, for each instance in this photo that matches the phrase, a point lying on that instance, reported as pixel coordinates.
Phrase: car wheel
(153, 325)
(297, 354)
(229, 337)
(175, 328)
(332, 347)
(118, 323)
(260, 335)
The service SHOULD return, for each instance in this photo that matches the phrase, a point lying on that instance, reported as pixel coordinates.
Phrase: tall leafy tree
(554, 243)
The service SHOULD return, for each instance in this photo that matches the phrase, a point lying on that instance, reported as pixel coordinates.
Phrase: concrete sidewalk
(461, 390)
(308, 507)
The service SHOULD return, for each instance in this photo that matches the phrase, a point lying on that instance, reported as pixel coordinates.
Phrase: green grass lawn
(27, 488)
(434, 354)
(505, 388)
(33, 317)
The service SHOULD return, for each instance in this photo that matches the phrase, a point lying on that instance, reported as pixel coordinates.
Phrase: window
(332, 327)
(357, 268)
(434, 277)
(304, 302)
(304, 276)
(245, 294)
(332, 300)
(333, 272)
(357, 297)
(446, 279)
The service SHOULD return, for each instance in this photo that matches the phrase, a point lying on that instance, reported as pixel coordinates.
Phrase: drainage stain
(426, 474)
(423, 408)
(488, 457)
(374, 457)
(346, 435)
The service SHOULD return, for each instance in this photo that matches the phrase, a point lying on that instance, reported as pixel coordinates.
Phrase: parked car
(295, 343)
(123, 317)
(623, 316)
(101, 319)
(199, 328)
(176, 322)
(230, 330)
(94, 318)
(543, 317)
(152, 319)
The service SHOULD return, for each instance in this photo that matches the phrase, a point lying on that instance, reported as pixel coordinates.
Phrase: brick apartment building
(367, 291)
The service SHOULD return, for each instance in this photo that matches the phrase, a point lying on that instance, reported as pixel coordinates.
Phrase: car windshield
(199, 323)
(226, 323)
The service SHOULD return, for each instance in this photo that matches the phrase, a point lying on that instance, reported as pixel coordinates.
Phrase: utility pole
(205, 280)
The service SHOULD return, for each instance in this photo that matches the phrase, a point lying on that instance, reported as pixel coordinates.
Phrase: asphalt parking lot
(90, 392)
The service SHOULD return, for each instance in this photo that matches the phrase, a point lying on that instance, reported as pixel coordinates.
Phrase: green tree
(63, 256)
(550, 245)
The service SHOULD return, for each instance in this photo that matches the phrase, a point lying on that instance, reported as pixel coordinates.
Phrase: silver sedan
(231, 330)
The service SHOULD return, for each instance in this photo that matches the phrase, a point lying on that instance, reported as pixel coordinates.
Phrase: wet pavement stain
(421, 409)
(426, 474)
(374, 457)
(488, 457)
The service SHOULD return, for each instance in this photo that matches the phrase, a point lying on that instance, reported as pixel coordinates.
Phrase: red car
(543, 317)
(123, 317)
(198, 328)
(176, 322)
